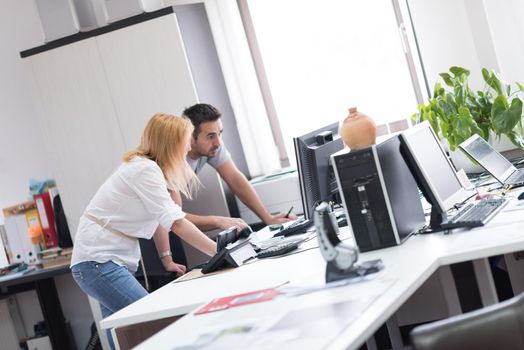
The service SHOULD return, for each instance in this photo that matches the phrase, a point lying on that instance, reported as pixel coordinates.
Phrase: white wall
(445, 38)
(472, 34)
(22, 152)
(507, 30)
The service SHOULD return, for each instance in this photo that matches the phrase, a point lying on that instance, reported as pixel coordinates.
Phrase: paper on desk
(305, 327)
(197, 273)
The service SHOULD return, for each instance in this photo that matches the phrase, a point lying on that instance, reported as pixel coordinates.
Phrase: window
(322, 57)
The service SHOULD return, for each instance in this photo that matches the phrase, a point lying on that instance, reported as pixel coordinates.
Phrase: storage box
(90, 14)
(58, 18)
(116, 10)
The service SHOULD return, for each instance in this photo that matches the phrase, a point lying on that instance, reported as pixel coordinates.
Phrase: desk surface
(408, 266)
(34, 275)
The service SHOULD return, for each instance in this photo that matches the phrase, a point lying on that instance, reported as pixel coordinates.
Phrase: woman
(137, 201)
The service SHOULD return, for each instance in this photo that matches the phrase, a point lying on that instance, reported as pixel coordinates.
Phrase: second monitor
(316, 175)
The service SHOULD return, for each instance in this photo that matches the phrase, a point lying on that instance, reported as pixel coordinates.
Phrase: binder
(18, 218)
(4, 248)
(47, 219)
(13, 244)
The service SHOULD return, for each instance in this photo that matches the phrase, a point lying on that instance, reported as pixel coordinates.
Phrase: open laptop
(491, 160)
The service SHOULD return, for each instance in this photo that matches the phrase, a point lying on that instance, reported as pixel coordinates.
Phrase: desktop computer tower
(379, 194)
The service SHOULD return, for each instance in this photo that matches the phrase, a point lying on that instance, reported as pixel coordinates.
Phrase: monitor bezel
(474, 138)
(442, 204)
(298, 143)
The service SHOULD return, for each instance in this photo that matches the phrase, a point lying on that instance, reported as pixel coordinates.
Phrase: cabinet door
(78, 121)
(147, 72)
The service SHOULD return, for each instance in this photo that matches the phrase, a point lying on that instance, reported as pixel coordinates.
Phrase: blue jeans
(109, 283)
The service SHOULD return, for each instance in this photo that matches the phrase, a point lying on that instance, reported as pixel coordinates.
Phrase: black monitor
(316, 175)
(433, 172)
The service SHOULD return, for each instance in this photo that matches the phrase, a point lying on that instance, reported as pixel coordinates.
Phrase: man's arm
(238, 183)
(209, 222)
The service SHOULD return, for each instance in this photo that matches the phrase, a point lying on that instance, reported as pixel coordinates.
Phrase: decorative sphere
(358, 130)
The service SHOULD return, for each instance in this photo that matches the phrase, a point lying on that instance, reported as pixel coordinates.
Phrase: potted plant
(456, 111)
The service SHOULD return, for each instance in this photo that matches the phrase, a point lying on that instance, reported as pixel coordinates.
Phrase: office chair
(156, 274)
(499, 326)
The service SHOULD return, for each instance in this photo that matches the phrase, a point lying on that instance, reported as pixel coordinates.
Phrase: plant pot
(358, 130)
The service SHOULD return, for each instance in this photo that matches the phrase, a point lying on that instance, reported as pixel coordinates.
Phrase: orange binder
(47, 219)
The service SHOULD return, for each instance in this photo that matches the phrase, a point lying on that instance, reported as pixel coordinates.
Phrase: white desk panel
(407, 267)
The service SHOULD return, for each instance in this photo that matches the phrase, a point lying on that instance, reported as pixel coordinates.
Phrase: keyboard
(299, 226)
(278, 249)
(476, 214)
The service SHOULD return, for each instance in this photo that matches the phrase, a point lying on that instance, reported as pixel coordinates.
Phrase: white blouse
(134, 200)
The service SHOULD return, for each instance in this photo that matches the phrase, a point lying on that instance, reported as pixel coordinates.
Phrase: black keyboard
(476, 214)
(278, 249)
(298, 227)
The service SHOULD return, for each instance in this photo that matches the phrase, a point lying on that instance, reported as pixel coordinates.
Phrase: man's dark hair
(201, 113)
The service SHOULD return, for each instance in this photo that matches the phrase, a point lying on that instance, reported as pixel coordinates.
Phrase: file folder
(47, 219)
(18, 219)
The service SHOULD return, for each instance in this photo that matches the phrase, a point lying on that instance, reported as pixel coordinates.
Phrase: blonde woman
(139, 200)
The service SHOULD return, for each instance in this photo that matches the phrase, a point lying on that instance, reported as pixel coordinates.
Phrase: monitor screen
(494, 162)
(432, 169)
(316, 175)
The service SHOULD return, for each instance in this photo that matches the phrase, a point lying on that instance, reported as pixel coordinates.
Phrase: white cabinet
(147, 72)
(78, 120)
(96, 95)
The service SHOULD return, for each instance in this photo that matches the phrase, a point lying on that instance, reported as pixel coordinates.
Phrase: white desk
(408, 266)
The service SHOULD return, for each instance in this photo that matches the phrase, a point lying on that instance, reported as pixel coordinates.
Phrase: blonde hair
(164, 141)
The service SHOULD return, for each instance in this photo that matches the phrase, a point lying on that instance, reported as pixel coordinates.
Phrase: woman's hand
(172, 266)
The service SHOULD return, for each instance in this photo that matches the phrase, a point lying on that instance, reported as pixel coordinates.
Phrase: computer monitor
(316, 175)
(433, 172)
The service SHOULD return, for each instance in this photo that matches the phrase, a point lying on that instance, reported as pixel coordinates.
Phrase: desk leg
(394, 333)
(52, 311)
(488, 292)
(449, 289)
(371, 343)
(515, 267)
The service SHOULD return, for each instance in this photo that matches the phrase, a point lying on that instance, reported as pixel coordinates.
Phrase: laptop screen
(491, 160)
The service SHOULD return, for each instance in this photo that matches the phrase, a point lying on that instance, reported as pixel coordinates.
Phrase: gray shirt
(220, 158)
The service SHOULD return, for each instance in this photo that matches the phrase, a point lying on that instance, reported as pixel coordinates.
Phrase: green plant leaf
(504, 119)
(447, 79)
(493, 81)
(456, 111)
(516, 139)
(457, 71)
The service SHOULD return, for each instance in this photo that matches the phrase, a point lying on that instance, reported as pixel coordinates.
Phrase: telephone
(231, 252)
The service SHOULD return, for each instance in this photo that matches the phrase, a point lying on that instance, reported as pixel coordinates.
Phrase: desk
(408, 265)
(43, 282)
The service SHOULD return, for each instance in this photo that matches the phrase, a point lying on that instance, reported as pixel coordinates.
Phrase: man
(207, 147)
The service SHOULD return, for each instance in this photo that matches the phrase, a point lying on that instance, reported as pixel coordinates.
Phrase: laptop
(491, 160)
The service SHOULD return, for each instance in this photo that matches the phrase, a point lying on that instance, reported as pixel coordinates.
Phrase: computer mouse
(245, 233)
(521, 196)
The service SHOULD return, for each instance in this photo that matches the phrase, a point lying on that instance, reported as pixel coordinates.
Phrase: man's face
(208, 140)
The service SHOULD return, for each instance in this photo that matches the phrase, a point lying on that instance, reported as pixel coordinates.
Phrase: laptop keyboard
(476, 214)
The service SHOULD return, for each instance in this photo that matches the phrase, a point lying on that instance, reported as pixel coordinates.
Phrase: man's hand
(224, 223)
(174, 267)
(280, 218)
